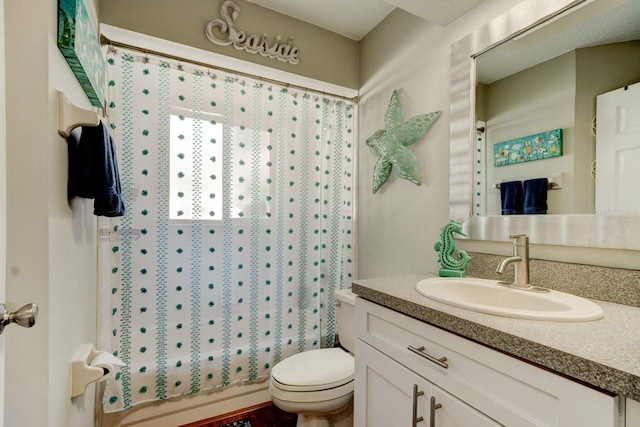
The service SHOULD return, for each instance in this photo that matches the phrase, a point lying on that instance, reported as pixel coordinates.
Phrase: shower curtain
(239, 226)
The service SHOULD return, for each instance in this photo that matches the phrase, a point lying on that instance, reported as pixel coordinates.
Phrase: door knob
(25, 316)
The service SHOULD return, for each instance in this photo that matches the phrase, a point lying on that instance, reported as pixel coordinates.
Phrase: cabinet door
(387, 393)
(633, 413)
(452, 412)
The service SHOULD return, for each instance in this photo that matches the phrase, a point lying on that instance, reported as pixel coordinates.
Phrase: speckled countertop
(603, 353)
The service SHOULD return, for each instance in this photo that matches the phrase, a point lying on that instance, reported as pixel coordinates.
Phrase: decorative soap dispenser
(452, 265)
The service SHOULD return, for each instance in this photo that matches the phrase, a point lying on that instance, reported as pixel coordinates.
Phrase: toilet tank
(346, 318)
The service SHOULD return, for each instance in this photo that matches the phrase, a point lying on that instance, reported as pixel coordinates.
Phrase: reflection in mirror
(531, 22)
(549, 78)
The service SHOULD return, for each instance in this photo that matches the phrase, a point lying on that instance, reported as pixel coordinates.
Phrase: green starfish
(390, 144)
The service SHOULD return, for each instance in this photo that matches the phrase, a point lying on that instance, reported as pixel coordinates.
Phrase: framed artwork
(529, 148)
(79, 44)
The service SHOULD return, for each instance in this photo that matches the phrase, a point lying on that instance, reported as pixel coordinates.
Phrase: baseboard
(188, 409)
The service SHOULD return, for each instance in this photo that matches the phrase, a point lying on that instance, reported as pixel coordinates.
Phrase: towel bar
(552, 186)
(71, 116)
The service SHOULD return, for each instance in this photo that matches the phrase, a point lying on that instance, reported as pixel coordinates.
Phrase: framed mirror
(533, 35)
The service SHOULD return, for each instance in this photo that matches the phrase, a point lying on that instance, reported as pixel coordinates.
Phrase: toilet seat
(314, 370)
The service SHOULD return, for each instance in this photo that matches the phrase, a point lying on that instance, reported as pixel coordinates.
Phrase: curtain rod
(104, 40)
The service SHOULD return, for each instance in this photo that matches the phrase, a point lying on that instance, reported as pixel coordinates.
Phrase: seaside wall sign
(252, 43)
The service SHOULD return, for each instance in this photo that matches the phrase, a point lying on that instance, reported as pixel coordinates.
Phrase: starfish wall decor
(390, 144)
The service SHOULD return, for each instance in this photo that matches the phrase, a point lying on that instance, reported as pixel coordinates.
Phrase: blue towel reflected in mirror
(535, 196)
(511, 196)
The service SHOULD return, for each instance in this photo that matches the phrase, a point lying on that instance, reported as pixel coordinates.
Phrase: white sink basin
(487, 296)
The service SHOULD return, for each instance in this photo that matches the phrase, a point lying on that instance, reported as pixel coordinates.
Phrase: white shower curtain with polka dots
(238, 227)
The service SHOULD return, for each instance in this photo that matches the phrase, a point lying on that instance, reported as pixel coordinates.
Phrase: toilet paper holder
(89, 365)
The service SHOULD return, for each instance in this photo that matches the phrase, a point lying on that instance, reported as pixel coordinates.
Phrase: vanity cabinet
(392, 395)
(409, 373)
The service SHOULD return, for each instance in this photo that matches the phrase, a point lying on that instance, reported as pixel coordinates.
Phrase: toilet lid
(315, 369)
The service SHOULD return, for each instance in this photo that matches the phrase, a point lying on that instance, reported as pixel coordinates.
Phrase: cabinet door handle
(420, 351)
(432, 411)
(416, 394)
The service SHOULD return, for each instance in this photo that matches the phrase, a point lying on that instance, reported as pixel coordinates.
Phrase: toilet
(318, 384)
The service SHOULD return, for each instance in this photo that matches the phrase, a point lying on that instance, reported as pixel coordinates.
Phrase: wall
(535, 100)
(324, 55)
(399, 225)
(52, 249)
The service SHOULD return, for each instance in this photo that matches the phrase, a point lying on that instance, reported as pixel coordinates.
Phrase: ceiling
(592, 24)
(355, 18)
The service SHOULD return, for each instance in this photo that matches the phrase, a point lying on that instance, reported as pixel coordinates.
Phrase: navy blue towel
(82, 173)
(511, 197)
(93, 170)
(72, 176)
(535, 196)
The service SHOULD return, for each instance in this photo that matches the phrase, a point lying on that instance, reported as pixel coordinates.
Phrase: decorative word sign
(252, 43)
(533, 147)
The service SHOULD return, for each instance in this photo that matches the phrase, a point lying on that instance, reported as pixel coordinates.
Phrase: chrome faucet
(520, 261)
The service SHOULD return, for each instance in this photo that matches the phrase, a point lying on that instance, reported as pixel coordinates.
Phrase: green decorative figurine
(390, 144)
(452, 266)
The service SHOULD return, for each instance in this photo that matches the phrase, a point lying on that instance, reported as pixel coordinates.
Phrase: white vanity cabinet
(392, 395)
(409, 373)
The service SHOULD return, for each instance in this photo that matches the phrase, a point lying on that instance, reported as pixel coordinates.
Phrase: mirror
(538, 36)
(549, 78)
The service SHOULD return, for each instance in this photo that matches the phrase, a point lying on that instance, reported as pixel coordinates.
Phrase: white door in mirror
(618, 152)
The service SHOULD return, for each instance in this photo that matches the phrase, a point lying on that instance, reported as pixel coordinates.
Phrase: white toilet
(318, 384)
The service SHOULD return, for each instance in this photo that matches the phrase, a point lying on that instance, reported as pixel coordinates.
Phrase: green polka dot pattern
(239, 227)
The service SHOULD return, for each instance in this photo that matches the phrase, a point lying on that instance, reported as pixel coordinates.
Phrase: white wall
(51, 249)
(72, 254)
(399, 225)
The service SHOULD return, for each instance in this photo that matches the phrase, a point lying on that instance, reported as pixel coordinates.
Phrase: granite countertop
(603, 353)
